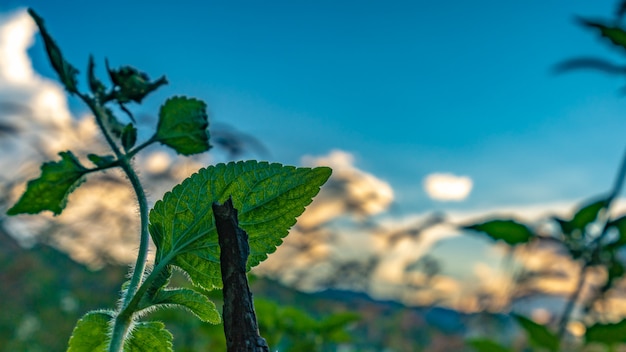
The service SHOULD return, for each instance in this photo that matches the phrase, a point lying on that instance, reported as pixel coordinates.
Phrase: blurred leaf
(615, 270)
(195, 302)
(538, 334)
(101, 160)
(268, 197)
(149, 337)
(486, 345)
(50, 191)
(583, 217)
(590, 63)
(91, 333)
(608, 334)
(132, 85)
(620, 225)
(183, 124)
(67, 73)
(129, 137)
(615, 34)
(508, 231)
(95, 85)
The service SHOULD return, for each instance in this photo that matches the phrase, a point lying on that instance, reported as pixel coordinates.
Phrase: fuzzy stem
(122, 322)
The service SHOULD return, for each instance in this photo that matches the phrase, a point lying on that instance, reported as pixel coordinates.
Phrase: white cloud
(447, 187)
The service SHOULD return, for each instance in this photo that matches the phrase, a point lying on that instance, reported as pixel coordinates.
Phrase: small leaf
(91, 333)
(50, 191)
(96, 87)
(486, 345)
(508, 231)
(615, 34)
(131, 84)
(194, 301)
(101, 160)
(149, 337)
(583, 217)
(268, 198)
(129, 136)
(538, 334)
(620, 225)
(183, 124)
(608, 334)
(67, 73)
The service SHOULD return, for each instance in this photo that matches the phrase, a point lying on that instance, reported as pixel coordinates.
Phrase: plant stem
(122, 321)
(571, 302)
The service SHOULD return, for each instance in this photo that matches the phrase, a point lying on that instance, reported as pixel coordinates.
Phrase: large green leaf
(508, 231)
(91, 333)
(587, 214)
(50, 191)
(183, 124)
(67, 73)
(608, 334)
(194, 301)
(268, 198)
(538, 334)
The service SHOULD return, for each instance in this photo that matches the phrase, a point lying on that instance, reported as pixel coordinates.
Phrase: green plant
(592, 237)
(190, 226)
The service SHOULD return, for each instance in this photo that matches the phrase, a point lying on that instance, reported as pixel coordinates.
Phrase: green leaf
(50, 191)
(95, 85)
(486, 345)
(131, 84)
(129, 136)
(67, 73)
(149, 337)
(508, 231)
(608, 334)
(91, 333)
(194, 301)
(538, 334)
(583, 217)
(101, 160)
(620, 225)
(183, 124)
(268, 198)
(615, 34)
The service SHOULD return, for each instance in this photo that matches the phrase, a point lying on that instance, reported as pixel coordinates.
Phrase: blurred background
(431, 115)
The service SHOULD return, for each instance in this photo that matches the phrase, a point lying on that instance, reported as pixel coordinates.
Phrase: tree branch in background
(240, 323)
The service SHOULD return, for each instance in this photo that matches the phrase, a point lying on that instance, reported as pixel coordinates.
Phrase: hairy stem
(122, 322)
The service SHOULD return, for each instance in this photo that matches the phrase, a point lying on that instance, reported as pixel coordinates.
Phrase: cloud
(447, 187)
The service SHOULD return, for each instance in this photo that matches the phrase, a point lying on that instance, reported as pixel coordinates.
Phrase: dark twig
(240, 324)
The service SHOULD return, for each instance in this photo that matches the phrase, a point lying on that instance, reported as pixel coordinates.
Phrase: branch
(240, 324)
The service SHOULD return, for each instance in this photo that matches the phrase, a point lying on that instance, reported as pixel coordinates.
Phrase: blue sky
(408, 87)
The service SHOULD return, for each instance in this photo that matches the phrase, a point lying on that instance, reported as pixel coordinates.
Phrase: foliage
(269, 197)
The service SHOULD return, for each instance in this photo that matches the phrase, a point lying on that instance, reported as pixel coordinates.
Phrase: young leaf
(132, 85)
(183, 125)
(96, 87)
(508, 231)
(486, 345)
(101, 161)
(268, 198)
(608, 334)
(149, 337)
(91, 332)
(129, 136)
(194, 301)
(538, 334)
(583, 217)
(615, 34)
(67, 73)
(50, 191)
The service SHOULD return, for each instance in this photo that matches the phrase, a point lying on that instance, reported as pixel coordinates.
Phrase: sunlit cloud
(447, 187)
